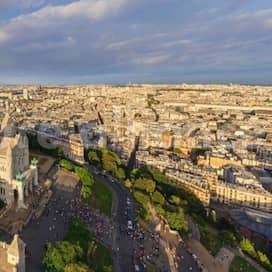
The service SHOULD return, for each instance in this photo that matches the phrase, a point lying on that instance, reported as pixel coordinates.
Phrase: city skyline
(121, 41)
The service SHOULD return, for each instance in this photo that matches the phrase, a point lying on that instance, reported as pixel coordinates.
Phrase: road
(122, 245)
(49, 228)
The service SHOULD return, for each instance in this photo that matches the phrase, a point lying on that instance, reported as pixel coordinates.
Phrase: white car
(194, 256)
(130, 226)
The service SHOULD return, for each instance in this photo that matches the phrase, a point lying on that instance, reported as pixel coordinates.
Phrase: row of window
(2, 191)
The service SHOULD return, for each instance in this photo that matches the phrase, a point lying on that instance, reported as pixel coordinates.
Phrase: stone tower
(16, 254)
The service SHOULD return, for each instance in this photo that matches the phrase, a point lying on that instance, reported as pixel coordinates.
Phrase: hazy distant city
(153, 177)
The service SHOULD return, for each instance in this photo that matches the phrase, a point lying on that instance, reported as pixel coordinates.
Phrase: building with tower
(12, 255)
(17, 174)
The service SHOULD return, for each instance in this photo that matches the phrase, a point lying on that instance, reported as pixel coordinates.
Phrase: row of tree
(258, 255)
(84, 175)
(145, 184)
(107, 160)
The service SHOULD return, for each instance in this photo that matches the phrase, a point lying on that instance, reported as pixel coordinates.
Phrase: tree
(86, 192)
(59, 152)
(135, 174)
(141, 198)
(77, 267)
(140, 184)
(120, 173)
(66, 164)
(52, 261)
(150, 186)
(69, 252)
(87, 182)
(263, 259)
(159, 209)
(248, 247)
(175, 199)
(94, 158)
(128, 183)
(85, 177)
(227, 237)
(177, 221)
(58, 256)
(147, 185)
(108, 163)
(157, 197)
(177, 150)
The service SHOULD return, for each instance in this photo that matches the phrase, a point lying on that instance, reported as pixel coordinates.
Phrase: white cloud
(51, 19)
(89, 36)
(3, 36)
(91, 9)
(20, 4)
(150, 59)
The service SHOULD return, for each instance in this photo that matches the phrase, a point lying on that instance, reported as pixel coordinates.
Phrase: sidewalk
(210, 263)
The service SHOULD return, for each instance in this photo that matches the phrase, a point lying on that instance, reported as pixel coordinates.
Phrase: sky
(135, 41)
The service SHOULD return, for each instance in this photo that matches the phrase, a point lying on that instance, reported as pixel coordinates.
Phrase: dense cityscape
(135, 136)
(135, 178)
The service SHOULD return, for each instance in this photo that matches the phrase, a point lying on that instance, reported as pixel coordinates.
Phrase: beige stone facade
(216, 162)
(17, 175)
(73, 148)
(12, 256)
(231, 194)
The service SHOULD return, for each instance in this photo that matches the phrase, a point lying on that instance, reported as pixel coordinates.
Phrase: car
(130, 226)
(194, 256)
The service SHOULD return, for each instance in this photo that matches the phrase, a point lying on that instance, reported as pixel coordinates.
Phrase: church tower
(16, 254)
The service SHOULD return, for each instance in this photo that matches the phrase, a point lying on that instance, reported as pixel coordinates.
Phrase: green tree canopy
(264, 260)
(120, 173)
(77, 267)
(128, 183)
(248, 247)
(157, 197)
(147, 185)
(175, 200)
(135, 174)
(58, 256)
(53, 261)
(177, 220)
(94, 158)
(66, 164)
(141, 198)
(86, 178)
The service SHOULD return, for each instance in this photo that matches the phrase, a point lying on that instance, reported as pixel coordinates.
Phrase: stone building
(12, 255)
(17, 174)
(238, 195)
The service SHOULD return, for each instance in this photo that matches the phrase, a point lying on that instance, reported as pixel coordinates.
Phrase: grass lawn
(150, 268)
(239, 264)
(101, 198)
(102, 257)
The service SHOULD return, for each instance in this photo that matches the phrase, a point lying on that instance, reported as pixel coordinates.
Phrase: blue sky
(122, 41)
